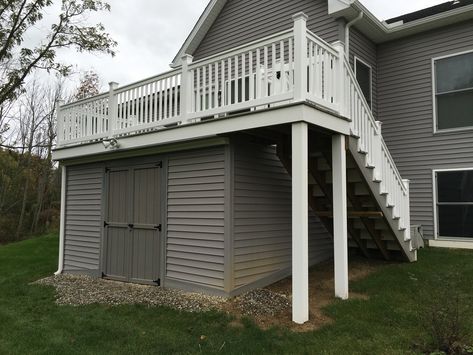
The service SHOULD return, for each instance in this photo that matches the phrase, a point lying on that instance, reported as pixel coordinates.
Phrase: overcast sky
(150, 32)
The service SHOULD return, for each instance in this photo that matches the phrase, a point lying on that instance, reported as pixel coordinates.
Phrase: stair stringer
(374, 186)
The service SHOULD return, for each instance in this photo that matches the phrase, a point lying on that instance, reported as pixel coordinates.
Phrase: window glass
(456, 221)
(454, 91)
(454, 73)
(455, 203)
(455, 186)
(455, 110)
(363, 76)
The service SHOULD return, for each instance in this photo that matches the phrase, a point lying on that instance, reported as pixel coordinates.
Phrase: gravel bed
(78, 290)
(263, 302)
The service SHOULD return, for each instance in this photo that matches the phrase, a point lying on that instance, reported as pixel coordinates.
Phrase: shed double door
(132, 224)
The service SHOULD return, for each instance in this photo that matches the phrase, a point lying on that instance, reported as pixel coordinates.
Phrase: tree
(89, 86)
(71, 30)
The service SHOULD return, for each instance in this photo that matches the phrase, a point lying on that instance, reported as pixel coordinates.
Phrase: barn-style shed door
(132, 224)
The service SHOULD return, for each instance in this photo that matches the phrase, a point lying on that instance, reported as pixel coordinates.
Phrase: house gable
(227, 24)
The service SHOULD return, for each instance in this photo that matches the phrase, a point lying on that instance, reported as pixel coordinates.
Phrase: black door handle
(131, 225)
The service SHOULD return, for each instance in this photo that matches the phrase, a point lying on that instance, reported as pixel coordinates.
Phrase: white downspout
(62, 222)
(347, 32)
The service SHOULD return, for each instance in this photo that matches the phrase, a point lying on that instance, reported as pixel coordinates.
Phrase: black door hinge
(103, 275)
(159, 227)
(157, 282)
(159, 164)
(105, 224)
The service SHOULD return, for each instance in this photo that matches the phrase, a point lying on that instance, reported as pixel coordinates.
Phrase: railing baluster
(250, 76)
(258, 74)
(243, 77)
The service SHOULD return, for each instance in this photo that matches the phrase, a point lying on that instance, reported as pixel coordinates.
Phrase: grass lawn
(388, 323)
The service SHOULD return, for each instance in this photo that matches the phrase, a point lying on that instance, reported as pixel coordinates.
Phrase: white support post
(340, 80)
(186, 87)
(340, 216)
(112, 108)
(300, 223)
(62, 222)
(300, 56)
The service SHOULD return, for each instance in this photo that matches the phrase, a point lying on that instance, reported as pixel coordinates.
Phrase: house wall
(262, 229)
(243, 21)
(365, 49)
(196, 218)
(406, 110)
(83, 225)
(228, 219)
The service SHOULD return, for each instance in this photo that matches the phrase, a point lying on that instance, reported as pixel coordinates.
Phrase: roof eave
(380, 32)
(200, 29)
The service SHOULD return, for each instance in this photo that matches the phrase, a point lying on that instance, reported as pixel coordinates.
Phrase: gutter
(380, 32)
(62, 223)
(347, 32)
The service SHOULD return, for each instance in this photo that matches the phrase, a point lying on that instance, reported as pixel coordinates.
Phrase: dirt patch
(268, 307)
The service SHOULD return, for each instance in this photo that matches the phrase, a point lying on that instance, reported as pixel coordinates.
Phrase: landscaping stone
(79, 290)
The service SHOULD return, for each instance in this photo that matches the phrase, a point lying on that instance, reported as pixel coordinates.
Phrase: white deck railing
(291, 66)
(371, 142)
(258, 75)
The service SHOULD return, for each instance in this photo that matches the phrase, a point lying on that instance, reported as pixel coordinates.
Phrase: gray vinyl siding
(262, 236)
(406, 110)
(83, 218)
(364, 49)
(196, 218)
(243, 21)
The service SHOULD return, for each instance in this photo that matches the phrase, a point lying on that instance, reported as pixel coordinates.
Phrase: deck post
(340, 216)
(186, 87)
(300, 56)
(340, 81)
(112, 108)
(300, 223)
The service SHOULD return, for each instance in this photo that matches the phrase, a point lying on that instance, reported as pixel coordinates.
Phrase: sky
(150, 32)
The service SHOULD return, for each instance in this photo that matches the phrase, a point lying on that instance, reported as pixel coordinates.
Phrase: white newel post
(300, 223)
(340, 78)
(378, 156)
(407, 211)
(60, 123)
(186, 87)
(300, 56)
(340, 216)
(112, 108)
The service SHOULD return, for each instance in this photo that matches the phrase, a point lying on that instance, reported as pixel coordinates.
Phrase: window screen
(363, 76)
(455, 204)
(454, 91)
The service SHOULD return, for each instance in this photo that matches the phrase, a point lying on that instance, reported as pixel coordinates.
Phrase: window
(364, 77)
(453, 91)
(454, 203)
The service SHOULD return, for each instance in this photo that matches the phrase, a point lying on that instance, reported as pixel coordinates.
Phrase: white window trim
(434, 96)
(358, 59)
(434, 195)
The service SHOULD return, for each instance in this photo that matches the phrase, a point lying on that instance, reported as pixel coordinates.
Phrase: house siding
(243, 21)
(262, 230)
(83, 229)
(196, 218)
(406, 110)
(365, 49)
